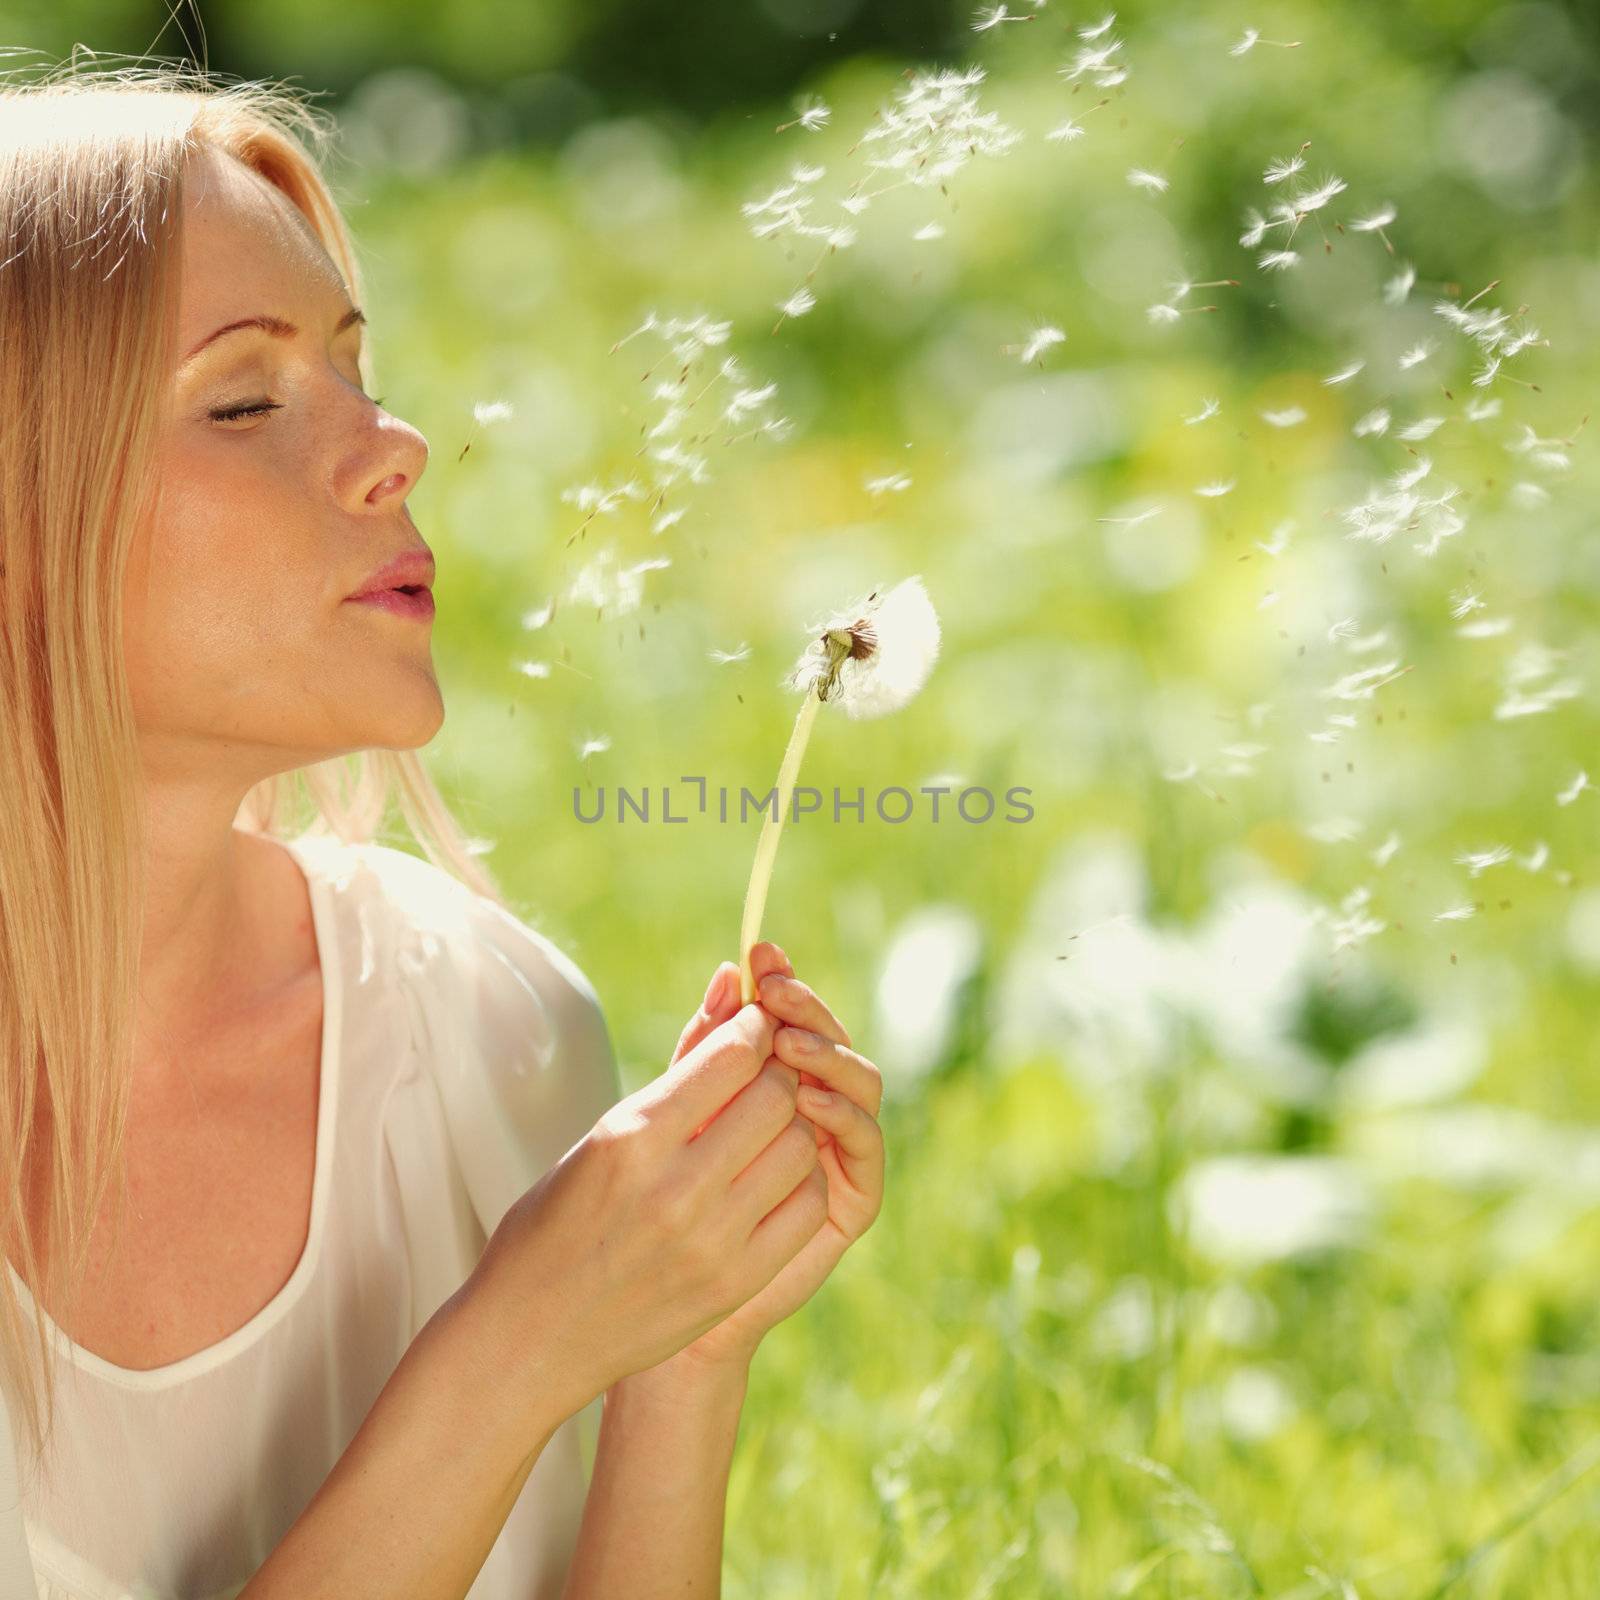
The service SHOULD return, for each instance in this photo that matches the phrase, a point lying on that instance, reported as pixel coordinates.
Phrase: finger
(790, 1000)
(765, 957)
(694, 1089)
(724, 1002)
(858, 1137)
(846, 1071)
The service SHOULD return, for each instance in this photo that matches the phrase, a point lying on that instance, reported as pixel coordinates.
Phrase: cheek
(224, 593)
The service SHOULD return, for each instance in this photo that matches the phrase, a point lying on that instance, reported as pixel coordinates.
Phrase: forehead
(246, 249)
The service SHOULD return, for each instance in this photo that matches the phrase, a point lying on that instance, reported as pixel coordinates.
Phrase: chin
(408, 721)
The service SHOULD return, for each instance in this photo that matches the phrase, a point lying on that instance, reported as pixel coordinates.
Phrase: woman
(392, 1225)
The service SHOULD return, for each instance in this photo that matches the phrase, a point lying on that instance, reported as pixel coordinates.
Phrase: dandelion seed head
(873, 656)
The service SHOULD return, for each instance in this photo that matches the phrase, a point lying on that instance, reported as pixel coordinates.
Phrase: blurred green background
(1240, 1235)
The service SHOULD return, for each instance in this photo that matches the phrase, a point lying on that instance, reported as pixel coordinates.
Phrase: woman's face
(243, 648)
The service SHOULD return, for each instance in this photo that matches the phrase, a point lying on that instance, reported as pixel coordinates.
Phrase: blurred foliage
(1214, 1260)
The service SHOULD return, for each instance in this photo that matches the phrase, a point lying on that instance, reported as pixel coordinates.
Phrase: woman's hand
(849, 1147)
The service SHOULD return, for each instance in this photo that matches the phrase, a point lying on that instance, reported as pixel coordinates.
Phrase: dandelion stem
(755, 899)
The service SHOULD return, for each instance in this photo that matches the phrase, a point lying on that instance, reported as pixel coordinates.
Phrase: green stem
(755, 899)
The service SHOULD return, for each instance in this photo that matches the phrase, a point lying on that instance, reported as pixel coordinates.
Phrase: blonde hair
(91, 196)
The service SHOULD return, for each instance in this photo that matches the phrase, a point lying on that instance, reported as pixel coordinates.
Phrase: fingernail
(801, 1040)
(719, 988)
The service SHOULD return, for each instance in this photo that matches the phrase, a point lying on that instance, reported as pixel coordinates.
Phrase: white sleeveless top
(462, 1055)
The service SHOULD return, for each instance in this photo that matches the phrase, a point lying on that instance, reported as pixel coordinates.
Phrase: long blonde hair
(91, 197)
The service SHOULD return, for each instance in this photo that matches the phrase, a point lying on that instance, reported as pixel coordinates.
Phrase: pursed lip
(411, 570)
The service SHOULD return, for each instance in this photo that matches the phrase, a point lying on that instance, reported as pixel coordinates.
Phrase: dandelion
(1140, 179)
(869, 659)
(1289, 417)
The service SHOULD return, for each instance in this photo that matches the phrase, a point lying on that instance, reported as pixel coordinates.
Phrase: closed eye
(257, 409)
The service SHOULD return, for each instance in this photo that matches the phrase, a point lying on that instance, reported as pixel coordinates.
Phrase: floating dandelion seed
(1163, 314)
(1415, 356)
(1209, 408)
(593, 745)
(1376, 223)
(1573, 789)
(1252, 37)
(869, 659)
(538, 616)
(1277, 260)
(534, 669)
(1456, 914)
(929, 230)
(1400, 286)
(1140, 179)
(1289, 417)
(740, 654)
(1274, 546)
(991, 16)
(893, 483)
(1103, 26)
(1344, 375)
(1212, 491)
(1064, 132)
(1375, 421)
(1420, 429)
(1480, 861)
(800, 302)
(1286, 167)
(1038, 343)
(812, 118)
(1134, 520)
(485, 412)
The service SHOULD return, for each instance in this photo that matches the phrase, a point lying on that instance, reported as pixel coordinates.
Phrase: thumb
(720, 1003)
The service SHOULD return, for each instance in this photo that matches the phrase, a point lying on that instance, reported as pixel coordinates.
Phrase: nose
(392, 466)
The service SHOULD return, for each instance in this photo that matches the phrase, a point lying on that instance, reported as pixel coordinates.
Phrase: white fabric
(463, 1053)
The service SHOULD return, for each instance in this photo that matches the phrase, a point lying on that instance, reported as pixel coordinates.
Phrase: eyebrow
(276, 326)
